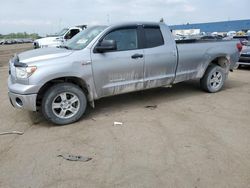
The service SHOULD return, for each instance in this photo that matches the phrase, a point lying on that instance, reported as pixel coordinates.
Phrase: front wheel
(64, 103)
(213, 79)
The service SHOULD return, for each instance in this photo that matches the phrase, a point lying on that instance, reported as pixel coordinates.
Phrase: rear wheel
(213, 79)
(64, 103)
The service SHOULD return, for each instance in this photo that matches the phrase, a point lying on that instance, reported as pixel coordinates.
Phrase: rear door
(160, 56)
(121, 70)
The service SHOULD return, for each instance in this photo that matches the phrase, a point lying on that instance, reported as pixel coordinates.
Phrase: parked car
(179, 37)
(59, 38)
(9, 41)
(243, 39)
(245, 55)
(27, 40)
(231, 33)
(16, 41)
(212, 37)
(104, 61)
(248, 33)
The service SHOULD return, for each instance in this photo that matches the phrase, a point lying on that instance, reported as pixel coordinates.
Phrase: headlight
(25, 72)
(36, 44)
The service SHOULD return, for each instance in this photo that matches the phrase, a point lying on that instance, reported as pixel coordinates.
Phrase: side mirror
(106, 45)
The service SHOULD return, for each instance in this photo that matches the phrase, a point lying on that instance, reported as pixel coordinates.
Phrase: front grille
(245, 55)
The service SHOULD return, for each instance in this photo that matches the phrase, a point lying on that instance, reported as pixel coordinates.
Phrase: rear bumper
(27, 102)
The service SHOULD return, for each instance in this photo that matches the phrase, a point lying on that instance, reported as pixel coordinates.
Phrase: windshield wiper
(64, 46)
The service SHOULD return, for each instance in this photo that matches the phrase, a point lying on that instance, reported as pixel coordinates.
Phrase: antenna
(108, 18)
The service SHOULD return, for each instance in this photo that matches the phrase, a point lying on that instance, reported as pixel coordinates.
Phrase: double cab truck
(102, 61)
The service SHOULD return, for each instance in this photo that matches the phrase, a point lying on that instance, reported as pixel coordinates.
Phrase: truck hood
(49, 40)
(43, 54)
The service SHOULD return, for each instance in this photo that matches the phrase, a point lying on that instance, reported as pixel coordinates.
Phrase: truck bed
(184, 41)
(194, 55)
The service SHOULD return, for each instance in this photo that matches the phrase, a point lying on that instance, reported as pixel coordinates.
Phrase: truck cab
(58, 38)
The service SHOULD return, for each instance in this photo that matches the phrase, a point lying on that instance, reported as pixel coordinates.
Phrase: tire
(64, 103)
(213, 79)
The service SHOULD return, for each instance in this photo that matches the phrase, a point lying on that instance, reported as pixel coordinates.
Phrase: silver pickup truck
(103, 61)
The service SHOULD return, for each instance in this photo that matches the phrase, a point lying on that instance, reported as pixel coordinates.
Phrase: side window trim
(139, 42)
(141, 37)
(144, 42)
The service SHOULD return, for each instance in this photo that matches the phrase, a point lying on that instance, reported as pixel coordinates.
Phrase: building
(186, 32)
(225, 26)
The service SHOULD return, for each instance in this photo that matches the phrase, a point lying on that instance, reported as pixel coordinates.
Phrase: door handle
(136, 56)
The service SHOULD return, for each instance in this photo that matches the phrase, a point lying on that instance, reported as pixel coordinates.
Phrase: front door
(121, 70)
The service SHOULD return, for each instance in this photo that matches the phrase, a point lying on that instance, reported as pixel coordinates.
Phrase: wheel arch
(70, 79)
(222, 61)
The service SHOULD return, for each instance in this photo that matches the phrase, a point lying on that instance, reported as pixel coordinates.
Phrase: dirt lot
(192, 139)
(6, 51)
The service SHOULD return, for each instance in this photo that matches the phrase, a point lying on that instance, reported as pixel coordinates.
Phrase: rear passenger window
(153, 37)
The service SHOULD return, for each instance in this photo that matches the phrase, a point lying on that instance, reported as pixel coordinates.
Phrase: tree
(20, 35)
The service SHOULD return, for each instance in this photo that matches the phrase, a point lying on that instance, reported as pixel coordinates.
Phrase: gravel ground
(6, 51)
(192, 139)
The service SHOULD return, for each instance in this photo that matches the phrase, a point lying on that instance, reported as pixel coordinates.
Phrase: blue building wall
(225, 26)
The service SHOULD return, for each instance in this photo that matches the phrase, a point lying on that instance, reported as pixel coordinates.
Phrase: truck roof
(82, 26)
(137, 23)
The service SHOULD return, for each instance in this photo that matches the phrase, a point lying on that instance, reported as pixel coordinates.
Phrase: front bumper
(22, 96)
(27, 102)
(244, 58)
(36, 45)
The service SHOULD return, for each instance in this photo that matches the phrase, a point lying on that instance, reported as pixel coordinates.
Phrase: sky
(50, 16)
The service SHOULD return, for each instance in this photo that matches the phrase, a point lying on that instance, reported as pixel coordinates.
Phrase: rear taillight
(239, 47)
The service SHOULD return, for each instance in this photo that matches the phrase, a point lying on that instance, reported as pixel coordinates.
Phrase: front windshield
(62, 32)
(82, 39)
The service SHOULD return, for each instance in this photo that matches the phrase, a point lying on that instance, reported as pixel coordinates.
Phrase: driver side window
(126, 39)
